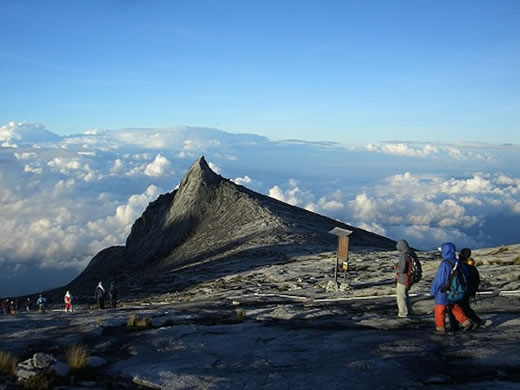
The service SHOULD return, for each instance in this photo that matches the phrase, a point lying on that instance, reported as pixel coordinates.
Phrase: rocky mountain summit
(278, 326)
(224, 288)
(206, 227)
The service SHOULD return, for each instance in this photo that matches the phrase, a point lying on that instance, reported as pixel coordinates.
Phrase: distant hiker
(100, 296)
(68, 302)
(5, 304)
(449, 270)
(28, 304)
(473, 284)
(12, 307)
(41, 302)
(112, 295)
(17, 305)
(408, 272)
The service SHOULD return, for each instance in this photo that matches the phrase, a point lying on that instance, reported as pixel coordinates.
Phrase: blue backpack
(457, 285)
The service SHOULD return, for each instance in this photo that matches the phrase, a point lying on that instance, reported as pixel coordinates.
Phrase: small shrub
(241, 314)
(7, 363)
(144, 322)
(131, 321)
(42, 381)
(136, 322)
(516, 260)
(77, 355)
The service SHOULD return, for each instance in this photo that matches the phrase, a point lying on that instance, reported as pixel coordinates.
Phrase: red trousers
(68, 306)
(440, 314)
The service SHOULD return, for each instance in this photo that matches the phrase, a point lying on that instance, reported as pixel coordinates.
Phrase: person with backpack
(41, 302)
(408, 272)
(473, 284)
(100, 296)
(449, 287)
(112, 295)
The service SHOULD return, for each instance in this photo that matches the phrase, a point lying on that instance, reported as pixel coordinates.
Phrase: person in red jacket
(68, 301)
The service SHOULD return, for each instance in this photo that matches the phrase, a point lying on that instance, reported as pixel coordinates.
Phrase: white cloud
(426, 151)
(242, 180)
(214, 167)
(158, 167)
(64, 198)
(365, 208)
(17, 134)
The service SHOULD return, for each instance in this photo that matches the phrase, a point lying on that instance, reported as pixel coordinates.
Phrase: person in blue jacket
(442, 303)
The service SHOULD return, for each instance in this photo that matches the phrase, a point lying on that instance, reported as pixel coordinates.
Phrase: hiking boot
(440, 330)
(486, 324)
(469, 325)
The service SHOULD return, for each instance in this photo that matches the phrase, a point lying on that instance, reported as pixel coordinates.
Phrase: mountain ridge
(210, 219)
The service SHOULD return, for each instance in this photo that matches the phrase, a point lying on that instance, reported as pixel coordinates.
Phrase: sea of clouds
(64, 198)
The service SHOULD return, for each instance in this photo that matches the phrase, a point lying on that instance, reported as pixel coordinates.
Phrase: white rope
(362, 297)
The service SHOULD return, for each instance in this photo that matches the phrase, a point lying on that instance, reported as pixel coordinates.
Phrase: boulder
(96, 361)
(60, 369)
(43, 360)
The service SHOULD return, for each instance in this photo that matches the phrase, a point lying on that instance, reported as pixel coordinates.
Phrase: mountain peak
(199, 173)
(211, 220)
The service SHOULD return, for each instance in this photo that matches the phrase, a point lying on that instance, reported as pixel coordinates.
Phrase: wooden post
(341, 252)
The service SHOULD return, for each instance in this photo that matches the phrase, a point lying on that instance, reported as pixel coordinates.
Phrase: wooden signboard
(343, 248)
(342, 251)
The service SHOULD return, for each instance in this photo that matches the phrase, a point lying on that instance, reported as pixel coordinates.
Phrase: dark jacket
(473, 280)
(402, 267)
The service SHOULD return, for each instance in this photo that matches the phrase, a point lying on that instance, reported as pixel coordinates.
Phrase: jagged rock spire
(209, 219)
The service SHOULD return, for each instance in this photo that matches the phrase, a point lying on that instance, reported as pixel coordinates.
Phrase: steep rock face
(210, 219)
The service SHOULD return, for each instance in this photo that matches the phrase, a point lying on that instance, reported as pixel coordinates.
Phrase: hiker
(100, 296)
(68, 302)
(403, 278)
(17, 305)
(439, 288)
(12, 307)
(41, 302)
(473, 283)
(28, 304)
(5, 303)
(112, 295)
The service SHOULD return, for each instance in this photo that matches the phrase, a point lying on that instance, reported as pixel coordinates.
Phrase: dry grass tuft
(241, 314)
(137, 322)
(7, 363)
(77, 355)
(131, 321)
(41, 381)
(516, 260)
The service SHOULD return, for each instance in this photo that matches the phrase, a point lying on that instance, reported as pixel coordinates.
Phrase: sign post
(341, 252)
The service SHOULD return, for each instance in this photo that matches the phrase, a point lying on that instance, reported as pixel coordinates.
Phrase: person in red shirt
(68, 302)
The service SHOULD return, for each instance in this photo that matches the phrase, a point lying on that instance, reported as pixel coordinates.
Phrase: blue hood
(448, 251)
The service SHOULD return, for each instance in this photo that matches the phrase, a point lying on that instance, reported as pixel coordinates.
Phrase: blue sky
(345, 71)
